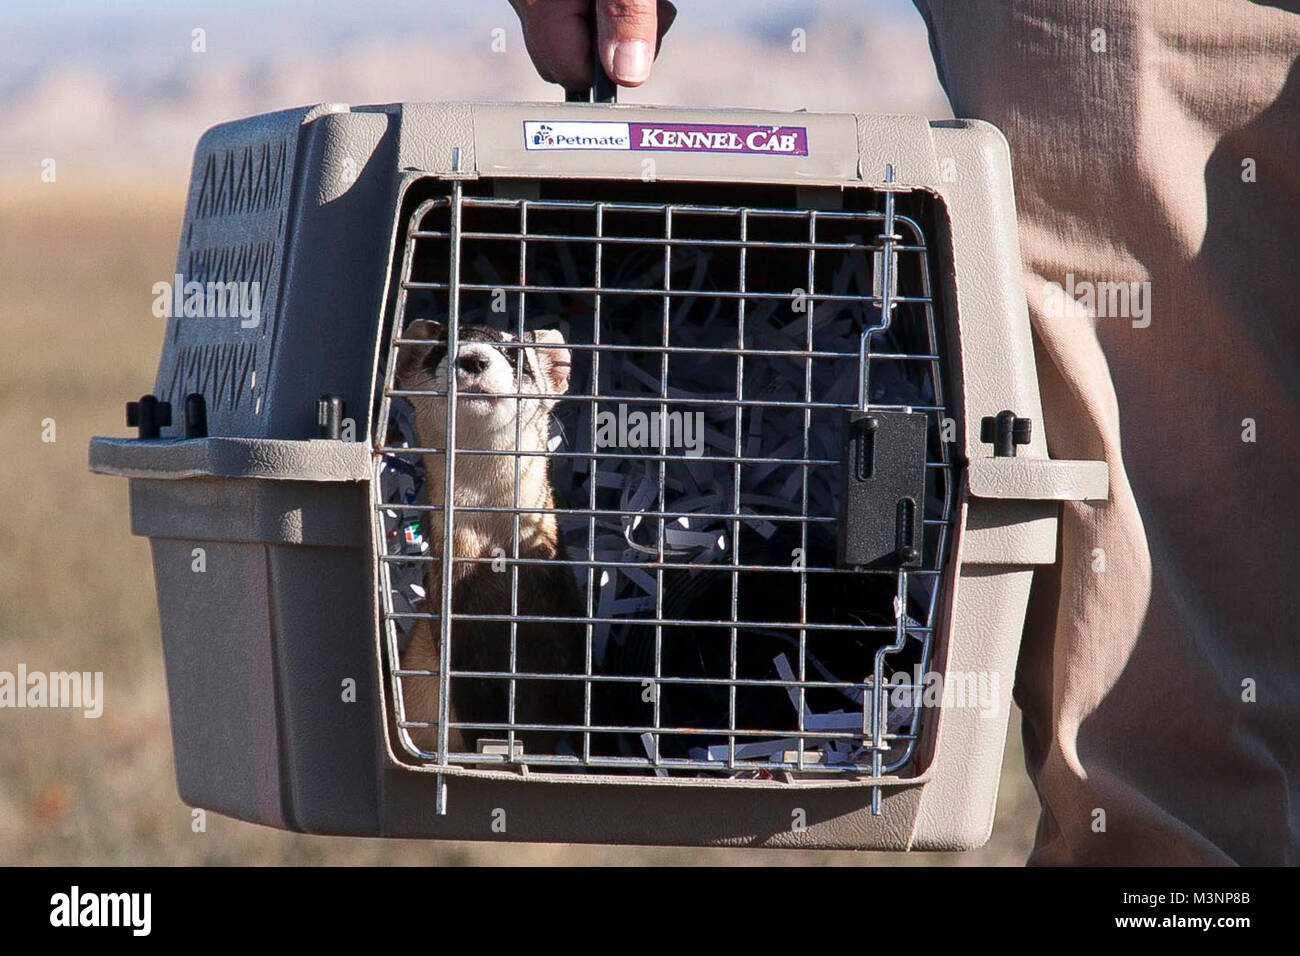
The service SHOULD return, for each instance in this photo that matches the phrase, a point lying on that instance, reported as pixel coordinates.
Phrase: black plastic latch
(148, 415)
(196, 415)
(882, 489)
(329, 417)
(1004, 431)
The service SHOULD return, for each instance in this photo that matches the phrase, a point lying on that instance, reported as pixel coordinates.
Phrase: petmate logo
(668, 137)
(557, 135)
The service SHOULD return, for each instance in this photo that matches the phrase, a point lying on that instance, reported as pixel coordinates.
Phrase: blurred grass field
(76, 589)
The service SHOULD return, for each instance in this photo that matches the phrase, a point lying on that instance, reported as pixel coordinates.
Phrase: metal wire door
(706, 649)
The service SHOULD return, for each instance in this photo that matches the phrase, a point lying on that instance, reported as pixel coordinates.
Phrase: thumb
(628, 32)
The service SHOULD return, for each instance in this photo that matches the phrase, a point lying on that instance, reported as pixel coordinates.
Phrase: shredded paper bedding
(691, 485)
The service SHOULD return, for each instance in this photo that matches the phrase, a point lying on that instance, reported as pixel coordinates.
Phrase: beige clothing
(1133, 152)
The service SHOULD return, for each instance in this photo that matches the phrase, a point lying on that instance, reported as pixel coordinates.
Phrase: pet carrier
(596, 473)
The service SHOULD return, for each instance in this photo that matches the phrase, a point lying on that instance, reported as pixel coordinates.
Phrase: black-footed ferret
(484, 422)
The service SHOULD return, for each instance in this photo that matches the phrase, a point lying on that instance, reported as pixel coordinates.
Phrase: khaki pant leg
(1157, 142)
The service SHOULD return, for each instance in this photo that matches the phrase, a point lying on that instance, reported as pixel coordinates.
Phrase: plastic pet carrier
(596, 473)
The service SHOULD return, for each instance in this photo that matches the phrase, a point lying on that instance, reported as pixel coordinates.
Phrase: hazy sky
(113, 88)
(155, 32)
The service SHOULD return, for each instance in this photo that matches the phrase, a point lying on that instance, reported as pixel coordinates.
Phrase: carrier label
(672, 137)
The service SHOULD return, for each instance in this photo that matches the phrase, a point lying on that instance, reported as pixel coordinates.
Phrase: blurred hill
(115, 92)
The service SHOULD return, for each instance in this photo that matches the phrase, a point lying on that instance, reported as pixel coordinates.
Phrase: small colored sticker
(667, 137)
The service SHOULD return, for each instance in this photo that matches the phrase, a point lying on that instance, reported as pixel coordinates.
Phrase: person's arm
(558, 36)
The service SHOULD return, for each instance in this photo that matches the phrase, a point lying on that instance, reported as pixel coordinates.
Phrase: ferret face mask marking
(486, 372)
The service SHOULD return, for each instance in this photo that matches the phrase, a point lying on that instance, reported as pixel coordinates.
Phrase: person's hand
(558, 36)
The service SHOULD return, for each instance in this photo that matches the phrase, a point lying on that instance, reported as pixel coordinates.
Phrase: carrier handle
(602, 89)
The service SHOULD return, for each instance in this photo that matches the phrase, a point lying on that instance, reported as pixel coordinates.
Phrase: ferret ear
(410, 357)
(554, 357)
(425, 329)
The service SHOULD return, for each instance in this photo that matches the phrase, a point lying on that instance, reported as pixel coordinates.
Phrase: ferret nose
(471, 363)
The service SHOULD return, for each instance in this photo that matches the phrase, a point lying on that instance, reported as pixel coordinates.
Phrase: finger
(557, 36)
(628, 33)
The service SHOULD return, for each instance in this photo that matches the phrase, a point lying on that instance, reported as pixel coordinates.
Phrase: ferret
(485, 370)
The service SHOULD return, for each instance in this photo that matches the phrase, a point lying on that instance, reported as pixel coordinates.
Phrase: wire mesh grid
(713, 632)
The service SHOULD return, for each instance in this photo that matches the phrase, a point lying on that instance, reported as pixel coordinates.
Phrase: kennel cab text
(672, 137)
